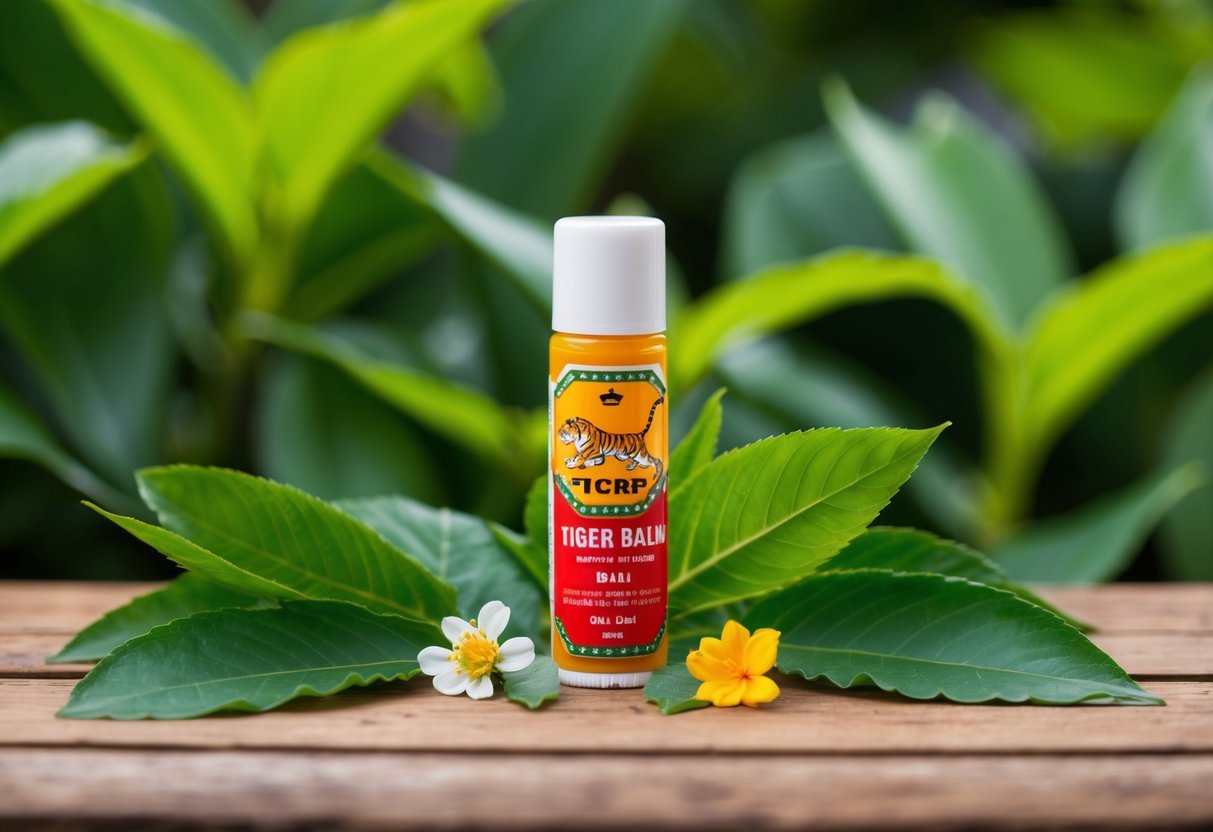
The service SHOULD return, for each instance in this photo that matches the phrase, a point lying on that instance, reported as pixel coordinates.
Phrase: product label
(608, 510)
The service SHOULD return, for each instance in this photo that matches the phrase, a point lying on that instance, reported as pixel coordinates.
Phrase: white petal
(481, 688)
(434, 660)
(453, 627)
(516, 654)
(452, 683)
(493, 617)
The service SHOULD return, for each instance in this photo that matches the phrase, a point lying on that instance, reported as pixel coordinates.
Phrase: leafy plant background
(320, 254)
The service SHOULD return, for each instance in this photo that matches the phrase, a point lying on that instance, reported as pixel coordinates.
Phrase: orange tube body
(609, 450)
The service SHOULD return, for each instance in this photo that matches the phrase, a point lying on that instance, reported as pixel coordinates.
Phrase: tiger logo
(594, 444)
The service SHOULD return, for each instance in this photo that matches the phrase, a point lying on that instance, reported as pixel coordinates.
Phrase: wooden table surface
(401, 756)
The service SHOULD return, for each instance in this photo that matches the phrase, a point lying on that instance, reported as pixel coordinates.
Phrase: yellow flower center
(476, 653)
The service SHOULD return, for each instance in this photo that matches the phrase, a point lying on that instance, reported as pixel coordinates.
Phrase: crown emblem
(610, 398)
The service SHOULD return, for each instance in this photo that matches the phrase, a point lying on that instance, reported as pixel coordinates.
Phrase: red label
(609, 579)
(608, 495)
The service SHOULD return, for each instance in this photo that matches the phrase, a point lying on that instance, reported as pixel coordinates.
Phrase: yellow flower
(731, 667)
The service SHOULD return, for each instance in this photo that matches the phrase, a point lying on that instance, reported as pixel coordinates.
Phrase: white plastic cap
(609, 276)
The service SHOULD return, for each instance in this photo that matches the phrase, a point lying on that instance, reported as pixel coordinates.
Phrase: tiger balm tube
(608, 449)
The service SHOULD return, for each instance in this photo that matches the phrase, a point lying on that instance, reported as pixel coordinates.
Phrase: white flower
(475, 653)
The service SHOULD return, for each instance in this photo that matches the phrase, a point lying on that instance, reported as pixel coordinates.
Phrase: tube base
(603, 680)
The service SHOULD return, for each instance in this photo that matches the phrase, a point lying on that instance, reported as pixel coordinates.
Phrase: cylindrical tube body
(608, 444)
(607, 507)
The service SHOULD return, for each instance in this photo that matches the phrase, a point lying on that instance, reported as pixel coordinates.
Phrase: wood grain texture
(61, 606)
(1164, 655)
(538, 791)
(1138, 608)
(805, 719)
(401, 756)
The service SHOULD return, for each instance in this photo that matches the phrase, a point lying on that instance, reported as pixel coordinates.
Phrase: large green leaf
(93, 329)
(763, 516)
(225, 27)
(512, 241)
(186, 595)
(784, 296)
(211, 566)
(250, 660)
(929, 635)
(1167, 192)
(672, 689)
(292, 539)
(317, 111)
(698, 447)
(48, 171)
(464, 416)
(533, 685)
(956, 194)
(318, 430)
(22, 436)
(1187, 532)
(460, 549)
(796, 199)
(196, 112)
(1083, 73)
(554, 58)
(366, 233)
(911, 550)
(1099, 541)
(831, 390)
(1091, 330)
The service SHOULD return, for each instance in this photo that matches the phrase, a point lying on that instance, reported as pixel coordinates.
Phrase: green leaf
(460, 549)
(1091, 330)
(672, 689)
(288, 537)
(911, 550)
(508, 239)
(250, 660)
(554, 57)
(956, 194)
(831, 390)
(1188, 529)
(535, 516)
(1082, 74)
(533, 560)
(319, 431)
(48, 171)
(796, 199)
(22, 436)
(93, 329)
(1099, 541)
(184, 596)
(366, 233)
(1167, 191)
(225, 28)
(464, 416)
(317, 113)
(534, 684)
(763, 516)
(698, 447)
(784, 296)
(197, 114)
(207, 564)
(925, 636)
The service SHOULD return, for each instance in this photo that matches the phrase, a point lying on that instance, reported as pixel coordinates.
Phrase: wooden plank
(67, 606)
(23, 655)
(806, 718)
(1135, 608)
(538, 791)
(1146, 655)
(61, 606)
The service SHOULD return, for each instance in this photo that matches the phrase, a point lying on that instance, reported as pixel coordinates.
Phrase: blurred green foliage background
(310, 239)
